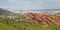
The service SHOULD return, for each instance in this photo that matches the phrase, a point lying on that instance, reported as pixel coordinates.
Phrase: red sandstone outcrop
(45, 19)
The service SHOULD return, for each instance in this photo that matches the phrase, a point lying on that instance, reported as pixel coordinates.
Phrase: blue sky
(30, 4)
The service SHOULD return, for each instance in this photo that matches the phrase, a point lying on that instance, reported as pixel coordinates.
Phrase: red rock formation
(45, 19)
(26, 15)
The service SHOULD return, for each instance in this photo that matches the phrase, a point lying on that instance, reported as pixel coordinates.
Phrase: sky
(30, 4)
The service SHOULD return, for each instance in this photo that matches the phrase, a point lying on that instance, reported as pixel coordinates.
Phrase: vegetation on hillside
(13, 24)
(19, 22)
(5, 12)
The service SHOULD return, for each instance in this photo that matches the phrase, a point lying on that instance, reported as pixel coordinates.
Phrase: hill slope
(5, 12)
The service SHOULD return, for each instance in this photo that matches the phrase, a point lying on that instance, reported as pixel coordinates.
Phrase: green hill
(5, 12)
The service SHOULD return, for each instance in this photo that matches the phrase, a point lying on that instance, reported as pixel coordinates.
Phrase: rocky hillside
(43, 18)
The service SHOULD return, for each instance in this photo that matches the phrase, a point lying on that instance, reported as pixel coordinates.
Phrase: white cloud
(25, 2)
(54, 0)
(19, 1)
(14, 0)
(41, 1)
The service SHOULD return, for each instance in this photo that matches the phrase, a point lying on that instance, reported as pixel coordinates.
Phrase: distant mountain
(5, 12)
(53, 11)
(38, 10)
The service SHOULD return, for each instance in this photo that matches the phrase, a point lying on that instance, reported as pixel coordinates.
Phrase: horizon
(32, 10)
